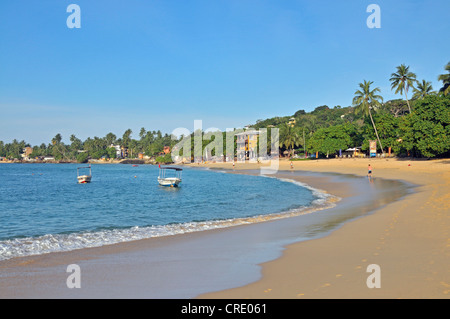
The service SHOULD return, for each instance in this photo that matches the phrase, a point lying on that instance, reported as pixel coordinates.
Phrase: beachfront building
(247, 145)
(26, 153)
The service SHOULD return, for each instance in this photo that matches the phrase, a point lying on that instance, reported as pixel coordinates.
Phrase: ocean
(43, 209)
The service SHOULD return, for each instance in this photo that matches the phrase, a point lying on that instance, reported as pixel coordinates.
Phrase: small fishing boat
(83, 179)
(173, 180)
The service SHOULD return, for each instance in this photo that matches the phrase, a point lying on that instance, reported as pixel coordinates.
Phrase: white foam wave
(321, 195)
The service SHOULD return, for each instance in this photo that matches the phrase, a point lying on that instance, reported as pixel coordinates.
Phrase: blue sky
(163, 64)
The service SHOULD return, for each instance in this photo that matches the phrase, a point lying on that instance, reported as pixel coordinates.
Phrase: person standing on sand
(292, 165)
(369, 174)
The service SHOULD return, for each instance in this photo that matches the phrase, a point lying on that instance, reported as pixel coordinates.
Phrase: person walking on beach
(369, 174)
(292, 165)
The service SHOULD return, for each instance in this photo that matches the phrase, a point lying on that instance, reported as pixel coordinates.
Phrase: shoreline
(409, 239)
(323, 201)
(331, 266)
(150, 252)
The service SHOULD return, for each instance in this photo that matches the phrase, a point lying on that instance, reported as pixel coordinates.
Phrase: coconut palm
(423, 89)
(290, 137)
(57, 139)
(366, 100)
(126, 137)
(142, 133)
(445, 78)
(402, 81)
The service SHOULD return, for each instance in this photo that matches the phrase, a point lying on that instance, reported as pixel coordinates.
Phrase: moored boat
(83, 179)
(169, 181)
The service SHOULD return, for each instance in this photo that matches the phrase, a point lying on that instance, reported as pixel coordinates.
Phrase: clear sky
(163, 64)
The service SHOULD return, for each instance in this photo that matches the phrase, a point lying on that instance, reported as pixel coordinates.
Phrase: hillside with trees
(417, 126)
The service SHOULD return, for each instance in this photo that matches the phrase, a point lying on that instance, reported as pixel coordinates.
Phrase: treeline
(150, 142)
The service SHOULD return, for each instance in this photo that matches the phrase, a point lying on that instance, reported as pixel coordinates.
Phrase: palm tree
(57, 139)
(142, 133)
(126, 137)
(290, 137)
(423, 89)
(445, 78)
(110, 138)
(366, 99)
(402, 80)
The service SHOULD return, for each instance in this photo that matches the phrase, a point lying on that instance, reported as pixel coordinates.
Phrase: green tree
(58, 149)
(329, 140)
(142, 133)
(2, 149)
(75, 146)
(423, 89)
(82, 157)
(445, 78)
(165, 159)
(132, 146)
(14, 149)
(290, 137)
(57, 139)
(126, 138)
(110, 138)
(388, 130)
(428, 134)
(76, 142)
(365, 100)
(99, 153)
(402, 80)
(396, 107)
(111, 151)
(310, 122)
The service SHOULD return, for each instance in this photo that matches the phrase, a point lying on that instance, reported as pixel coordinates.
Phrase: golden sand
(409, 240)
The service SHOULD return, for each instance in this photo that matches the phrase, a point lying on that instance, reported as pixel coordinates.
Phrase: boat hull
(84, 179)
(169, 182)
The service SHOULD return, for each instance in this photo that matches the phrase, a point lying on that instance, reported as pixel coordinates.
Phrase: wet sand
(189, 265)
(408, 239)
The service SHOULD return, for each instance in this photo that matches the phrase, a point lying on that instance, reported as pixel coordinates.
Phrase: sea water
(43, 209)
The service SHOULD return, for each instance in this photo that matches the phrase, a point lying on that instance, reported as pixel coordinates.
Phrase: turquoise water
(43, 208)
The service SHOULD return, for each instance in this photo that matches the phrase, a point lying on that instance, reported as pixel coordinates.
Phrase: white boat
(169, 181)
(83, 179)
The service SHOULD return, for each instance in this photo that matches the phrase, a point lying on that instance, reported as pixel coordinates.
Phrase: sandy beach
(409, 240)
(407, 236)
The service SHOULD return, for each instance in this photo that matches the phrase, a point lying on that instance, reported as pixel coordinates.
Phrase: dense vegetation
(150, 142)
(416, 127)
